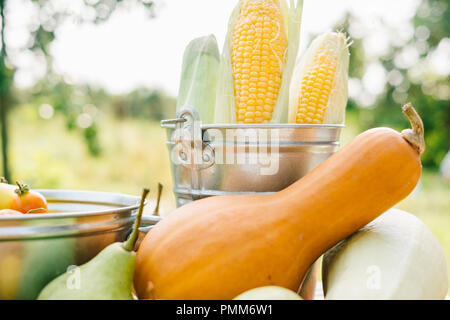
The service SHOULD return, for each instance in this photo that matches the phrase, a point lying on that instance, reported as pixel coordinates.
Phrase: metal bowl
(36, 248)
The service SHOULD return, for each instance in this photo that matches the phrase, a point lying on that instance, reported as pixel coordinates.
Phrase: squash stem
(414, 136)
(129, 244)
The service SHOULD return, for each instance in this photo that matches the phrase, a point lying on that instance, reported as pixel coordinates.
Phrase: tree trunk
(4, 91)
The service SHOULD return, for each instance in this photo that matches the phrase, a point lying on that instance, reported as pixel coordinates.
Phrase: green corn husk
(225, 105)
(199, 77)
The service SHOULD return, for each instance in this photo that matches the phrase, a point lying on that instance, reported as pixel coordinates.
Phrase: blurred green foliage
(48, 15)
(77, 101)
(429, 92)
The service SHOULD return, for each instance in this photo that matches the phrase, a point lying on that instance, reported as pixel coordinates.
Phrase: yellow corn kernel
(318, 91)
(258, 49)
(257, 62)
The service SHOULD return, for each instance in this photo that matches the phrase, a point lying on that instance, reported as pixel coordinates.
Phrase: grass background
(134, 154)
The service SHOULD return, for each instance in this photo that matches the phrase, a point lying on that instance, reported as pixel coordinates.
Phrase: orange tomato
(30, 201)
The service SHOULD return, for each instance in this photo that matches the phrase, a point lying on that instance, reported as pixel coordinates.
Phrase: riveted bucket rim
(271, 126)
(261, 126)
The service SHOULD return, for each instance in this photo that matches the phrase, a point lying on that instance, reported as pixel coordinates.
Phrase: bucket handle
(167, 123)
(191, 151)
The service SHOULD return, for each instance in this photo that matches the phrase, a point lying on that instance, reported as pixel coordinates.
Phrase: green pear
(108, 276)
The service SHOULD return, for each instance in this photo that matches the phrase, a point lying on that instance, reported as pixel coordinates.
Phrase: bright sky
(132, 50)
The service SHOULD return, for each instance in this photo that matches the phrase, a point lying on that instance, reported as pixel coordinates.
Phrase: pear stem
(414, 136)
(158, 199)
(129, 244)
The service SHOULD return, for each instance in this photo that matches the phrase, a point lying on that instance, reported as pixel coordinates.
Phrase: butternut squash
(219, 247)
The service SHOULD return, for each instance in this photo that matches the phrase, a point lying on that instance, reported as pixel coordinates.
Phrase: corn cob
(318, 92)
(199, 76)
(257, 61)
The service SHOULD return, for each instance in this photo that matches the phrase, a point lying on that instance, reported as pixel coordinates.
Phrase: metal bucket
(209, 160)
(200, 153)
(35, 249)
